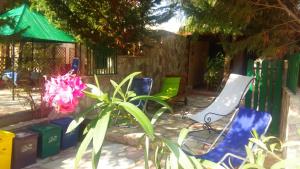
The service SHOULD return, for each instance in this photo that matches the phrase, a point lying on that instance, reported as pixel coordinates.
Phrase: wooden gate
(293, 72)
(265, 93)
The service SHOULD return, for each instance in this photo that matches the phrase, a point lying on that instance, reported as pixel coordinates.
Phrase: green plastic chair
(169, 89)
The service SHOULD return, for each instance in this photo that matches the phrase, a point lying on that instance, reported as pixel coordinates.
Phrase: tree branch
(282, 24)
(288, 11)
(266, 6)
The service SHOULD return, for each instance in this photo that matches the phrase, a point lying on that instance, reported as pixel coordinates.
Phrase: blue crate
(67, 139)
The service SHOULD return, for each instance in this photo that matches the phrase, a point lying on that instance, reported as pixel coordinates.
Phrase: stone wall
(290, 121)
(167, 55)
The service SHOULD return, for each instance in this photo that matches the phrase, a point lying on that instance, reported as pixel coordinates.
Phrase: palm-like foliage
(268, 28)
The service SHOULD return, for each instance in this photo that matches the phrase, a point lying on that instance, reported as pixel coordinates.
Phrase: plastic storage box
(48, 140)
(6, 143)
(24, 149)
(67, 139)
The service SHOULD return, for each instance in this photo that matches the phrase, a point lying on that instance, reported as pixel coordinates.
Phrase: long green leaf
(74, 124)
(255, 134)
(196, 162)
(101, 128)
(182, 135)
(173, 161)
(131, 76)
(250, 155)
(84, 144)
(130, 94)
(259, 143)
(95, 159)
(158, 114)
(168, 165)
(97, 82)
(117, 89)
(157, 156)
(129, 85)
(94, 89)
(260, 158)
(91, 95)
(152, 98)
(79, 119)
(146, 152)
(103, 97)
(182, 158)
(139, 116)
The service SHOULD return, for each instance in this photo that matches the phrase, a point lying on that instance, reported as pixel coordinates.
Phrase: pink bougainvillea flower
(63, 92)
(67, 108)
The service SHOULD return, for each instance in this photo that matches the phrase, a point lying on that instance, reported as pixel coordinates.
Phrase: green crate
(49, 139)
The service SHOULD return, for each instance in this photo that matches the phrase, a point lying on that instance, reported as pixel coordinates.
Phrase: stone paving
(121, 148)
(170, 125)
(114, 156)
(10, 106)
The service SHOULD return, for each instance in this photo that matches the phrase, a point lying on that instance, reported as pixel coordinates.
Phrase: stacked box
(67, 139)
(48, 140)
(24, 149)
(6, 144)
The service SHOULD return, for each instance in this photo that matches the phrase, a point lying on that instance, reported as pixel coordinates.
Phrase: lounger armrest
(228, 155)
(208, 120)
(207, 117)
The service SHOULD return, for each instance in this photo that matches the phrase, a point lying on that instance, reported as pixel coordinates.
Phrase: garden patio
(122, 142)
(83, 82)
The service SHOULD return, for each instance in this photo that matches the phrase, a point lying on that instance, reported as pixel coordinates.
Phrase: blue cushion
(238, 136)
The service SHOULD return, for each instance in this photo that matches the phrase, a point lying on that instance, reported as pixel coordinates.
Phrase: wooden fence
(265, 93)
(293, 72)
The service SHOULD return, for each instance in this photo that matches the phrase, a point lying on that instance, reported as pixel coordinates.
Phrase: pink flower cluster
(63, 92)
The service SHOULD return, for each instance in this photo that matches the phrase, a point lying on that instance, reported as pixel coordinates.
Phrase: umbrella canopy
(34, 25)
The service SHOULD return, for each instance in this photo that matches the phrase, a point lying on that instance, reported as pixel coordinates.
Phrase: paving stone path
(114, 156)
(120, 150)
(9, 106)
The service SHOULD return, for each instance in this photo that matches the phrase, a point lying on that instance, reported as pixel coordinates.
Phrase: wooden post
(263, 86)
(227, 66)
(32, 55)
(284, 72)
(80, 71)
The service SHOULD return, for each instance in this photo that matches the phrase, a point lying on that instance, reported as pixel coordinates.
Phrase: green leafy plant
(166, 153)
(214, 73)
(269, 148)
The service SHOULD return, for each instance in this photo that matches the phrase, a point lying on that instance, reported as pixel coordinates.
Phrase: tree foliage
(8, 4)
(268, 28)
(105, 21)
(5, 5)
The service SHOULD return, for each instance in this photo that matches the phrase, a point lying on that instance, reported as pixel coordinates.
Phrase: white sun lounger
(225, 104)
(228, 100)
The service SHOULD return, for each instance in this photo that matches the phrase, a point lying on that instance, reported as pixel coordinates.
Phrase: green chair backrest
(170, 86)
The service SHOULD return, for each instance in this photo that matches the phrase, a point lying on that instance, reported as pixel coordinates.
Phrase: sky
(173, 24)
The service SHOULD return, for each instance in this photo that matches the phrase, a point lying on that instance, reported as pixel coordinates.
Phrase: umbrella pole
(13, 71)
